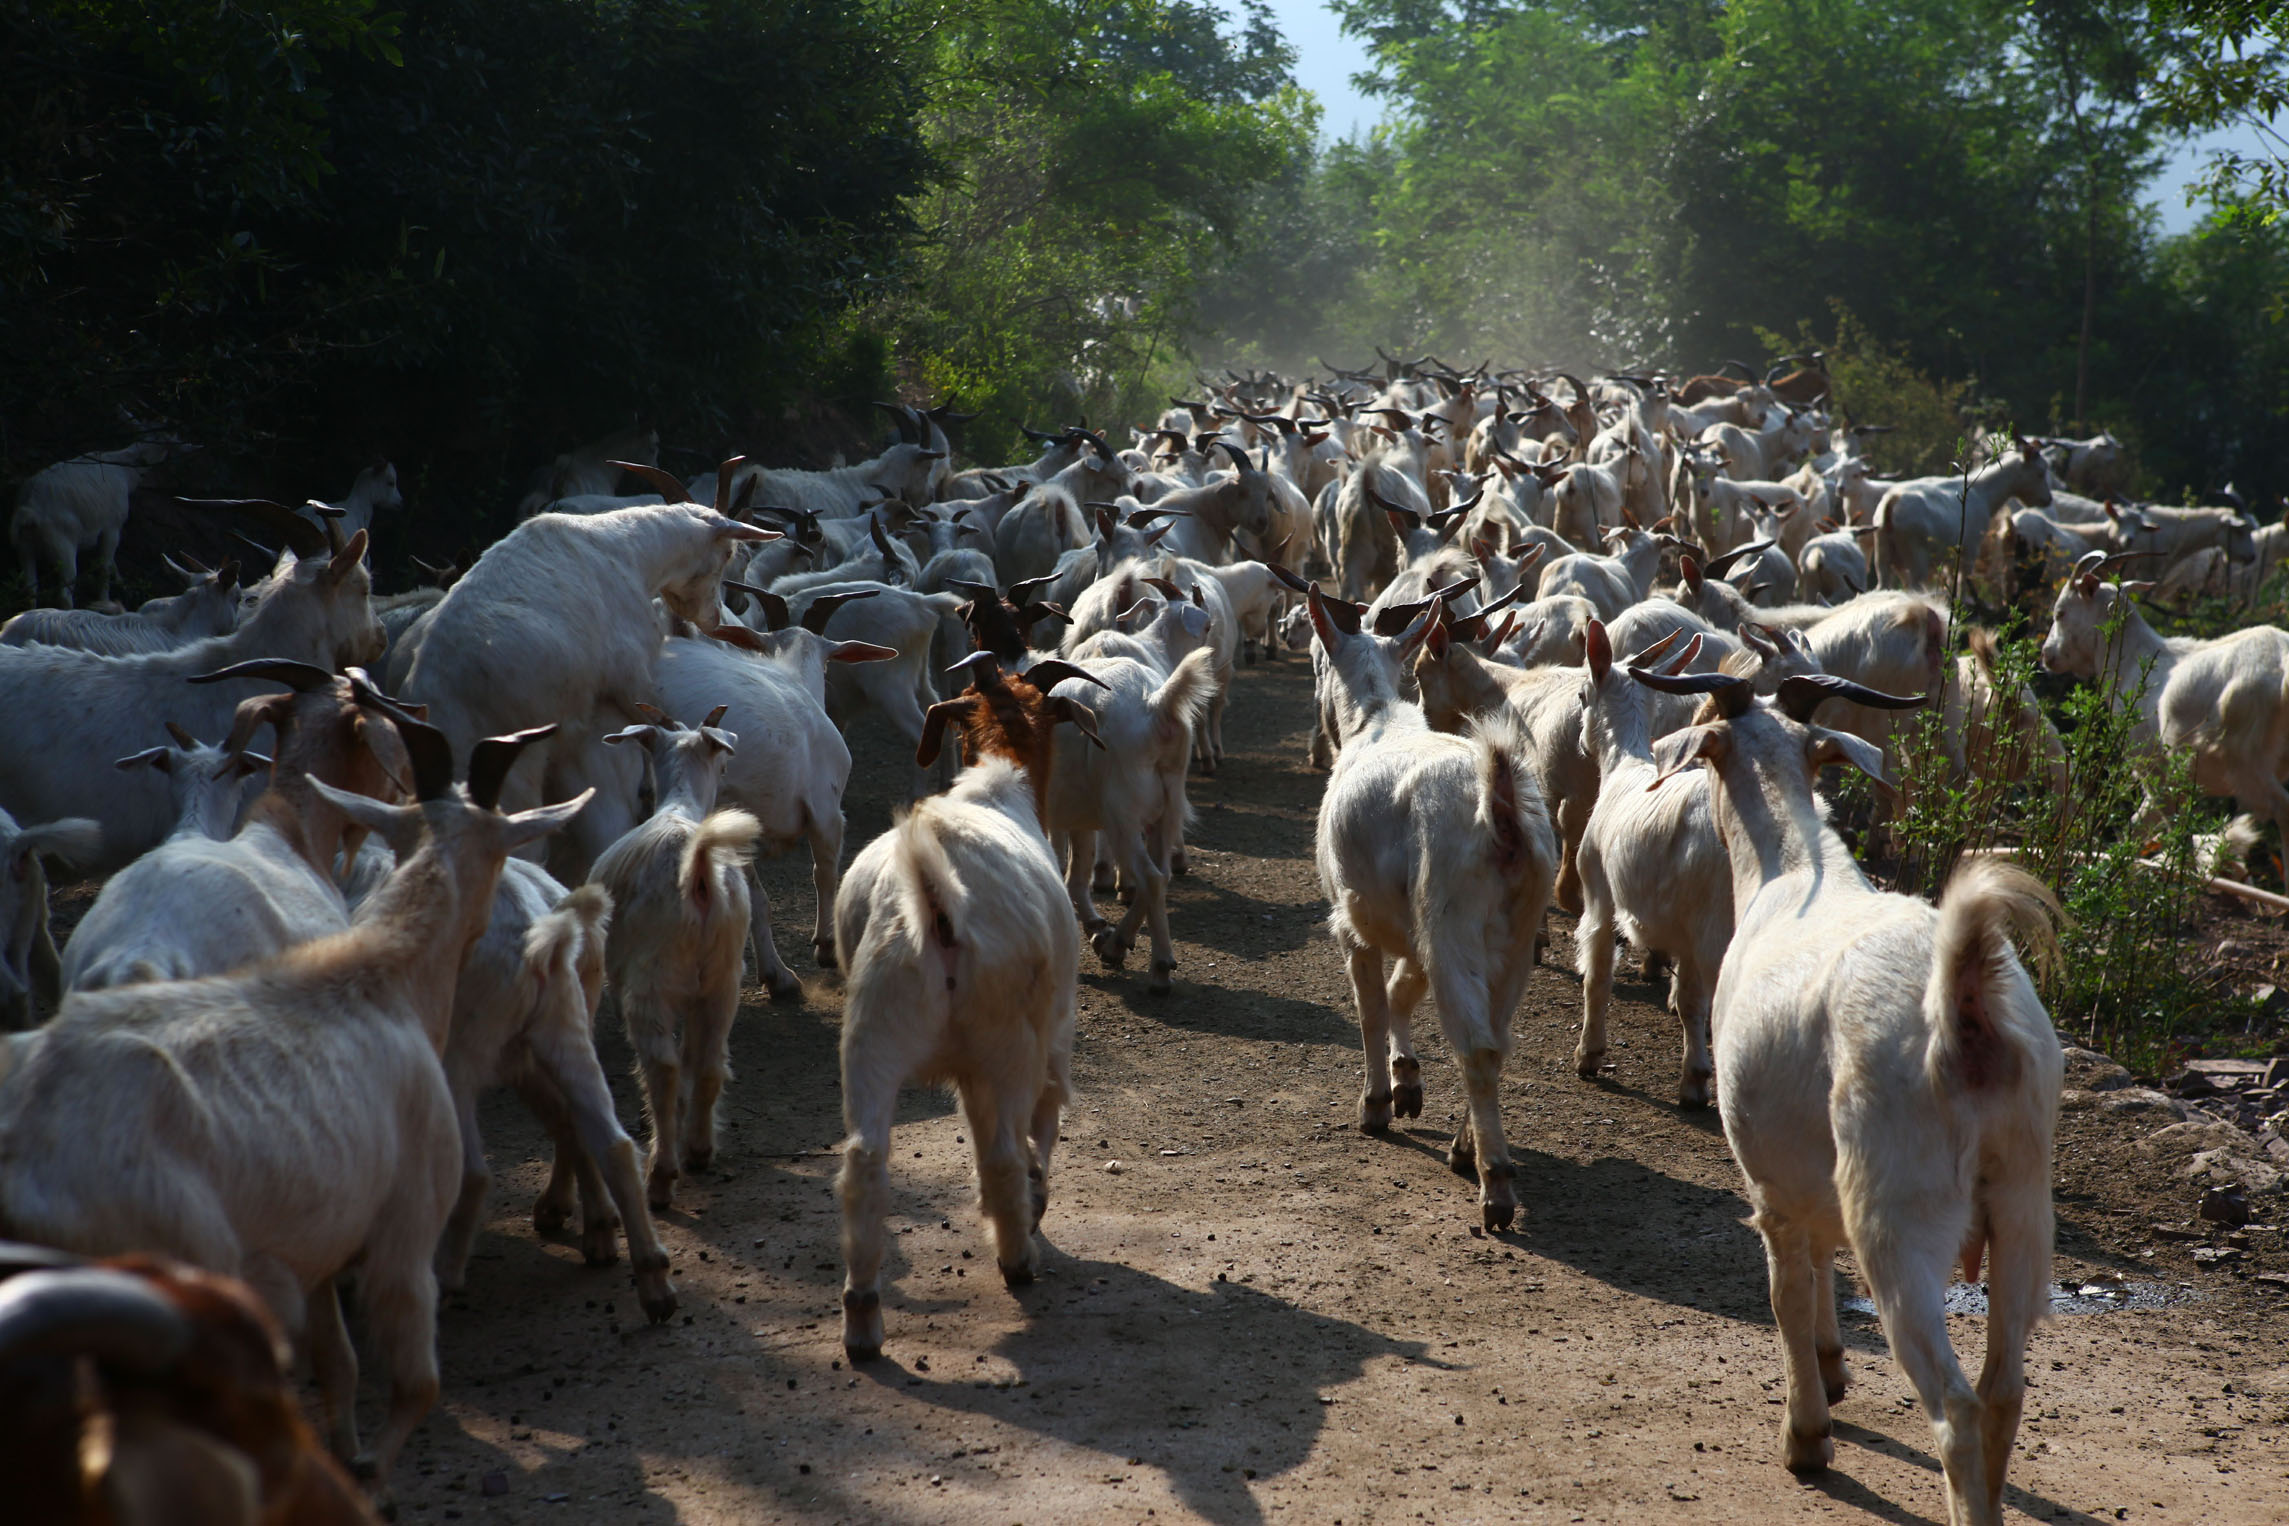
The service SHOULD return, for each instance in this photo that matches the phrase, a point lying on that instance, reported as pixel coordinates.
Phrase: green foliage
(2230, 68)
(1876, 383)
(2127, 845)
(1099, 155)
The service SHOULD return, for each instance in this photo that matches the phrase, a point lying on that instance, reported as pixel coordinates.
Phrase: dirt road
(1260, 1314)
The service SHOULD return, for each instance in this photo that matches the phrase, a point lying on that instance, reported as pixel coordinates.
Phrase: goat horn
(903, 417)
(113, 1316)
(665, 483)
(775, 616)
(1732, 693)
(1048, 675)
(301, 677)
(824, 606)
(1023, 591)
(1802, 693)
(301, 537)
(724, 472)
(986, 665)
(490, 761)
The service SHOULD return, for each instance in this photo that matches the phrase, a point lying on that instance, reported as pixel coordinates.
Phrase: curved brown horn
(1048, 675)
(1164, 586)
(986, 665)
(116, 1317)
(714, 717)
(491, 759)
(664, 483)
(823, 607)
(724, 472)
(301, 677)
(1732, 694)
(775, 616)
(1802, 693)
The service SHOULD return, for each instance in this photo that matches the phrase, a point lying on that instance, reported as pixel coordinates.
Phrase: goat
(145, 1391)
(196, 905)
(1612, 582)
(1923, 520)
(207, 606)
(959, 956)
(1832, 567)
(374, 488)
(72, 713)
(30, 970)
(2225, 702)
(1888, 1079)
(1434, 850)
(792, 764)
(333, 1045)
(1652, 868)
(499, 651)
(76, 505)
(2098, 466)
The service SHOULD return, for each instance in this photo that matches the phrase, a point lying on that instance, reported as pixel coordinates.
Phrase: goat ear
(1824, 747)
(347, 558)
(1597, 652)
(384, 820)
(1083, 719)
(646, 734)
(152, 757)
(859, 651)
(537, 823)
(381, 740)
(1330, 639)
(934, 727)
(1680, 750)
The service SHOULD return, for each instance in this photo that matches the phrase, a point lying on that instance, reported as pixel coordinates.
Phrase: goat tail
(1184, 696)
(1981, 1039)
(555, 941)
(933, 902)
(725, 840)
(1511, 816)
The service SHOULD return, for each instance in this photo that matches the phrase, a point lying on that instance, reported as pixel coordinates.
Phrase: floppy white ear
(1680, 750)
(1824, 747)
(532, 825)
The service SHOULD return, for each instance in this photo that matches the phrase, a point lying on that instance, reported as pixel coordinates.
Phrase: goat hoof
(1834, 1375)
(549, 1216)
(600, 1246)
(1112, 952)
(861, 1353)
(1407, 1098)
(660, 1190)
(1374, 1112)
(657, 1306)
(1696, 1090)
(698, 1157)
(1020, 1276)
(823, 950)
(1162, 979)
(784, 986)
(362, 1468)
(1127, 895)
(1588, 1062)
(1462, 1158)
(1178, 863)
(861, 1325)
(1101, 878)
(1497, 1217)
(1808, 1452)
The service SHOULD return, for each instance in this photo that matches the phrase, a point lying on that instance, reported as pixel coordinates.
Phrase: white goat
(2225, 702)
(76, 505)
(1888, 1080)
(374, 488)
(959, 956)
(1434, 851)
(1929, 524)
(292, 1116)
(207, 606)
(679, 891)
(30, 971)
(71, 714)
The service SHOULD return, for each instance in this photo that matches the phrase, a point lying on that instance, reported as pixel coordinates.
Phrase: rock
(2088, 1070)
(2210, 1255)
(2204, 1078)
(2276, 1073)
(2225, 1205)
(2233, 1166)
(2177, 1232)
(2273, 1279)
(2141, 1099)
(493, 1483)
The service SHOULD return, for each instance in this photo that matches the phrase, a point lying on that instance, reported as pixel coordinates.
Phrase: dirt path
(1263, 1315)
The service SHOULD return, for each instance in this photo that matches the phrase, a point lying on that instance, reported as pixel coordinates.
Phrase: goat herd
(1582, 644)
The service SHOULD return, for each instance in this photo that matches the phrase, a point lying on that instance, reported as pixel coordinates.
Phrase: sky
(1326, 60)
